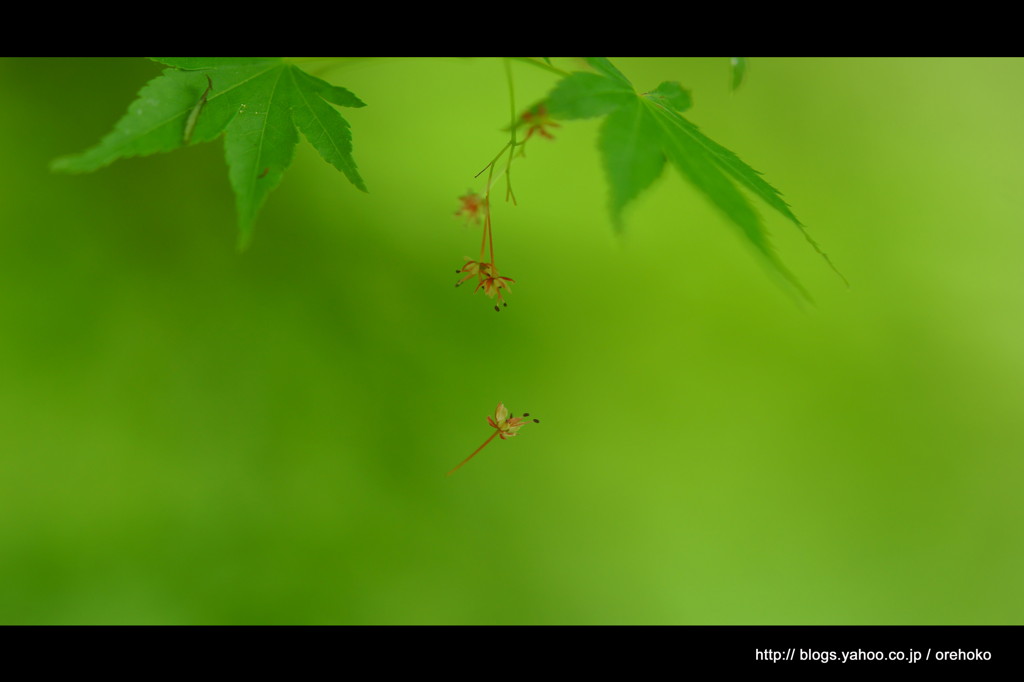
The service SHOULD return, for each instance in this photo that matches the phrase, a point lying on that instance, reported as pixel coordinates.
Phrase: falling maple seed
(193, 115)
(503, 426)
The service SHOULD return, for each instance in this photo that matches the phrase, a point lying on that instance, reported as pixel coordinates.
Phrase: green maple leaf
(259, 104)
(641, 131)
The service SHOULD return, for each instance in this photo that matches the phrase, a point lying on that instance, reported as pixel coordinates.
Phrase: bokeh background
(189, 434)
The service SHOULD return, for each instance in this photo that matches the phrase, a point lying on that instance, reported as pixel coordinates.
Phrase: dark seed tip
(526, 414)
(536, 421)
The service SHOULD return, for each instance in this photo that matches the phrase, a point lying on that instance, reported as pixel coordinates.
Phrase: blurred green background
(193, 435)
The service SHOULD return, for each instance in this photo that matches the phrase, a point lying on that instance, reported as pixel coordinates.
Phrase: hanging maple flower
(507, 427)
(536, 120)
(504, 426)
(493, 284)
(472, 207)
(487, 278)
(473, 269)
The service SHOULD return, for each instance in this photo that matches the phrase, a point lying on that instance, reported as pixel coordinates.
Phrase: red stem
(496, 432)
(490, 233)
(487, 229)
